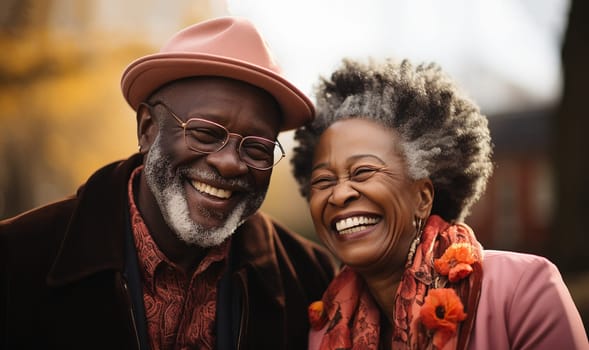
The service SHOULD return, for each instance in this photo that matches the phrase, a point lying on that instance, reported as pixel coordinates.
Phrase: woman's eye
(363, 173)
(322, 183)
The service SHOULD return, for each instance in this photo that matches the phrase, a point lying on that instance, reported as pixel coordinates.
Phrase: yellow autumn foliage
(62, 115)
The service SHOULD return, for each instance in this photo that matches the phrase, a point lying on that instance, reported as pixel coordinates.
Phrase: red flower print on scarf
(317, 315)
(441, 313)
(456, 261)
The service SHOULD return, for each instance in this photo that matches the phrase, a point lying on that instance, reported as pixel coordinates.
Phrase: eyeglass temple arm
(182, 123)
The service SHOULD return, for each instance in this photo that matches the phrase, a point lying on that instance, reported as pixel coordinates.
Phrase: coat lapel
(94, 240)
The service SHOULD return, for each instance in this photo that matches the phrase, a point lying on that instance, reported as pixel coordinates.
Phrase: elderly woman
(390, 167)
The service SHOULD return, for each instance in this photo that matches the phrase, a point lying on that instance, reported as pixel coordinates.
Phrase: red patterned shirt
(180, 309)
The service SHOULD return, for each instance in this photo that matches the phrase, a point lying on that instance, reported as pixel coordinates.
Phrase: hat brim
(145, 75)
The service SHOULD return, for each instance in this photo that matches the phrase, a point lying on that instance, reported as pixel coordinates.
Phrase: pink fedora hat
(227, 47)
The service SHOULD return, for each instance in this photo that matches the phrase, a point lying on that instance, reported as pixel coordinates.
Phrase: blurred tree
(22, 25)
(570, 236)
(61, 111)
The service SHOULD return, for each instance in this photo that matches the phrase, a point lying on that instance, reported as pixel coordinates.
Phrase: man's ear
(425, 197)
(147, 128)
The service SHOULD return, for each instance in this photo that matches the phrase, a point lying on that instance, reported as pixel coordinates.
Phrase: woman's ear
(147, 128)
(425, 197)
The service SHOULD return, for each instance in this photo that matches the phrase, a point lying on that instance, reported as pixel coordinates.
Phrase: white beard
(170, 195)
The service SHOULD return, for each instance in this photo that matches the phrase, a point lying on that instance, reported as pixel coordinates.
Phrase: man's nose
(227, 160)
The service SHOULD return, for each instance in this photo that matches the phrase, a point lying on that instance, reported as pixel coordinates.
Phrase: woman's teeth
(354, 224)
(212, 191)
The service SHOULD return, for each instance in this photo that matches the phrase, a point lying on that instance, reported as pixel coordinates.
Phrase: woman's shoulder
(507, 273)
(523, 302)
(508, 257)
(505, 264)
(510, 274)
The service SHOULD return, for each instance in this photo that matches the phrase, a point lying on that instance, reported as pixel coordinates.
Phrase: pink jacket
(524, 304)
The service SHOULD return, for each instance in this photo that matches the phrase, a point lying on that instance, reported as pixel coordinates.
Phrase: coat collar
(254, 249)
(94, 240)
(95, 237)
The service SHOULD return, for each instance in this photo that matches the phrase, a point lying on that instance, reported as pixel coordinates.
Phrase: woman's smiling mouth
(355, 224)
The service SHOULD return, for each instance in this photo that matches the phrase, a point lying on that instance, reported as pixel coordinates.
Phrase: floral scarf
(435, 303)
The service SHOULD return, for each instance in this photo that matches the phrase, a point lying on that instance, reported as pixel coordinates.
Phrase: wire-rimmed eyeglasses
(205, 136)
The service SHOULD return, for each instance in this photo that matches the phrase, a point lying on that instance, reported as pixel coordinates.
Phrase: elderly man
(167, 249)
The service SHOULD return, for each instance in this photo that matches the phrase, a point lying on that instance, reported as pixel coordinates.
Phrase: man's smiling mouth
(210, 190)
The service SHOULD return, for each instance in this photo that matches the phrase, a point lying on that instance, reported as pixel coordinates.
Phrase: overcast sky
(504, 53)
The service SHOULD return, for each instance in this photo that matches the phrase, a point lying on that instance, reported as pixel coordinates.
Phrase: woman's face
(362, 202)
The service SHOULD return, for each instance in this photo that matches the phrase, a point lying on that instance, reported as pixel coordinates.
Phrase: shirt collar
(149, 254)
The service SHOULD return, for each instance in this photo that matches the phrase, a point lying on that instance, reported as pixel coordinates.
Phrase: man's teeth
(210, 190)
(354, 224)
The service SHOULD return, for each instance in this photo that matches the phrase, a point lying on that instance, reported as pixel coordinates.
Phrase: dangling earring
(418, 223)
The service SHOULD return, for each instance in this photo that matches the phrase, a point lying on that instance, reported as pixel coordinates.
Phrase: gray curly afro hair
(444, 136)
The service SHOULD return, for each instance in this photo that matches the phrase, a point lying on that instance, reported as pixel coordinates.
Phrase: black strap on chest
(229, 309)
(132, 276)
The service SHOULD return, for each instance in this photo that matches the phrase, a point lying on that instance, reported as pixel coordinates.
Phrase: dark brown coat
(65, 281)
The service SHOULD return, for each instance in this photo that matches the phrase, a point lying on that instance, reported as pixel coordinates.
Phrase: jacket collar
(254, 246)
(95, 237)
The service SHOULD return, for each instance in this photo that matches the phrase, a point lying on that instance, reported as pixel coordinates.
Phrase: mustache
(241, 183)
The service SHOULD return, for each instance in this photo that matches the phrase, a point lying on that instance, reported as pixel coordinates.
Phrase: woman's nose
(342, 193)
